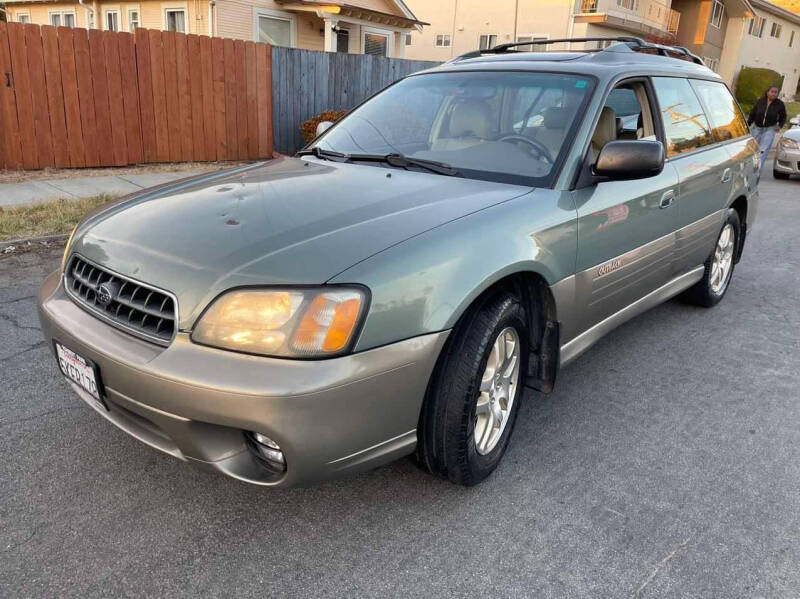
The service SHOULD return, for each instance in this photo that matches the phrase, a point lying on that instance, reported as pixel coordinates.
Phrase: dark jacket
(767, 117)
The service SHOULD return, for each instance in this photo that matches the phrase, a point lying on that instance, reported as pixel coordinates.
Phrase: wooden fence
(78, 98)
(306, 83)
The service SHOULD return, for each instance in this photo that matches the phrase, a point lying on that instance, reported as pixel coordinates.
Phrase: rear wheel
(474, 395)
(709, 290)
(779, 175)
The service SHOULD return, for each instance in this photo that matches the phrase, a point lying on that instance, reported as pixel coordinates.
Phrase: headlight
(789, 144)
(292, 323)
(66, 250)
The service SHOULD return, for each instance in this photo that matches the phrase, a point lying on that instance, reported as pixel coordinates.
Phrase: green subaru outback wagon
(394, 287)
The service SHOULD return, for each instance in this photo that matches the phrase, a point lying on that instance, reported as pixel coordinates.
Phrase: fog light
(269, 451)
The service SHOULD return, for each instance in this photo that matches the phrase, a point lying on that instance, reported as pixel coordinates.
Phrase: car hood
(289, 221)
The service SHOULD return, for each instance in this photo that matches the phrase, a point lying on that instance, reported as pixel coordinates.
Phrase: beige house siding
(466, 20)
(40, 12)
(152, 13)
(765, 52)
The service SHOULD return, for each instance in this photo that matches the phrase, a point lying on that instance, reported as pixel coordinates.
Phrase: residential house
(459, 26)
(770, 39)
(377, 27)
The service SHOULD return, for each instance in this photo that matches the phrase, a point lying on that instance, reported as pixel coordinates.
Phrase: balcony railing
(650, 13)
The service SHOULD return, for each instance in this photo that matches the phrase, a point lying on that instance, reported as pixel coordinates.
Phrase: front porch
(337, 27)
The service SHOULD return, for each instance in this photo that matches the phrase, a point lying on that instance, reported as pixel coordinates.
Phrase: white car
(787, 156)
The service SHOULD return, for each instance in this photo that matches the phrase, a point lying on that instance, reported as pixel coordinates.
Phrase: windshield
(497, 126)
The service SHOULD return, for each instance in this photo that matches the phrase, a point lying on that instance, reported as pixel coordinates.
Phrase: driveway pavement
(667, 464)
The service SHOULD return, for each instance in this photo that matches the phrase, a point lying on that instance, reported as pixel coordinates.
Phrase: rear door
(704, 168)
(730, 128)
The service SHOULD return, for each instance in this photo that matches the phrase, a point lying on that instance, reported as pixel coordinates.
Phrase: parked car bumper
(329, 417)
(787, 161)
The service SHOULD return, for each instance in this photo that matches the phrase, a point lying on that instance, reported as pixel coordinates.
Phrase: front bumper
(787, 161)
(330, 417)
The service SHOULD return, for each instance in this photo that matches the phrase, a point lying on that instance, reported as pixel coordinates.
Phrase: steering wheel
(541, 149)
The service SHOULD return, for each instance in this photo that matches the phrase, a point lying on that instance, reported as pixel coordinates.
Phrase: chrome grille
(138, 308)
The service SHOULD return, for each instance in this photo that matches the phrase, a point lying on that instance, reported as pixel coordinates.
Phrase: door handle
(667, 199)
(726, 175)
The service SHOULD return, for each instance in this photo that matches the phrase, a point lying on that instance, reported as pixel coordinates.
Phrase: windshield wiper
(402, 161)
(398, 160)
(318, 152)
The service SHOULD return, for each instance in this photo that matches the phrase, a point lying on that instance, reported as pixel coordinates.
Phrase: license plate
(81, 371)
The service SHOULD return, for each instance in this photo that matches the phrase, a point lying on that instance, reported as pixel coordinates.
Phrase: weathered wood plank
(130, 98)
(55, 96)
(22, 90)
(83, 74)
(159, 95)
(115, 106)
(147, 115)
(209, 115)
(196, 94)
(184, 97)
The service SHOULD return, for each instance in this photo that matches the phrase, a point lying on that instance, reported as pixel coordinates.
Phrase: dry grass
(47, 218)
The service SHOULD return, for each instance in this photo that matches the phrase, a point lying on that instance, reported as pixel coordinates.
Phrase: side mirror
(323, 127)
(621, 160)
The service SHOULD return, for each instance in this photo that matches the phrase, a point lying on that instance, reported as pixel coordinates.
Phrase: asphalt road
(667, 463)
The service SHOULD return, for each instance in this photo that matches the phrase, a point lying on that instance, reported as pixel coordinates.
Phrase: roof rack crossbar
(636, 44)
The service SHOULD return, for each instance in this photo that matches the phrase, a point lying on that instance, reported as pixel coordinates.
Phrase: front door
(625, 228)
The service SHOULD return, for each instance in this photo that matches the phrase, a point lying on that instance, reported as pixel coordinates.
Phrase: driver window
(625, 115)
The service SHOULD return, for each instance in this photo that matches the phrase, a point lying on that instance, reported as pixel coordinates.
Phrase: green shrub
(752, 84)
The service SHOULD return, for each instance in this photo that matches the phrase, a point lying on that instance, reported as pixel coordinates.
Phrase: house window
(133, 20)
(487, 41)
(629, 4)
(776, 30)
(442, 40)
(532, 37)
(343, 41)
(65, 19)
(756, 28)
(112, 20)
(791, 38)
(408, 39)
(716, 14)
(711, 63)
(175, 19)
(276, 29)
(375, 44)
(26, 18)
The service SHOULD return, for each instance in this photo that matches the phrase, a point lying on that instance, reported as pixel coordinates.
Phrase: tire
(447, 444)
(779, 175)
(709, 290)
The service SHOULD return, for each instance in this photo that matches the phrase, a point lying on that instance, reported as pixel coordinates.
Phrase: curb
(13, 245)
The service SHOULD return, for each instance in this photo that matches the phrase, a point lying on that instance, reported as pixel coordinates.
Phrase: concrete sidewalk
(16, 194)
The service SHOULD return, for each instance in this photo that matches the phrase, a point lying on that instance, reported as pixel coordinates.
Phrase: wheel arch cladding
(543, 327)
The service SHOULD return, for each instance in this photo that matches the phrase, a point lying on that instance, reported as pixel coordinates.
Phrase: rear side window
(724, 115)
(685, 123)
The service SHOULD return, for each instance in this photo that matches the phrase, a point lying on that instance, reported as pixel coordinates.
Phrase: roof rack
(636, 44)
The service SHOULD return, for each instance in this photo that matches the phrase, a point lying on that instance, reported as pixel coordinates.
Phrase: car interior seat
(605, 131)
(470, 124)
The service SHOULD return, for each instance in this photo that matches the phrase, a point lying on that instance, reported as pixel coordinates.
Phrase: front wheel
(779, 175)
(710, 290)
(473, 399)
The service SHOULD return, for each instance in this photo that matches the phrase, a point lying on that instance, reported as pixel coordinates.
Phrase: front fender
(425, 283)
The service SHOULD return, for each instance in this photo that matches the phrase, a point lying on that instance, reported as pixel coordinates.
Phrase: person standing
(768, 116)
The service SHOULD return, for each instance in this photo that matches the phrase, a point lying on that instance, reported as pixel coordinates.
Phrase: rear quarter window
(724, 116)
(685, 124)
